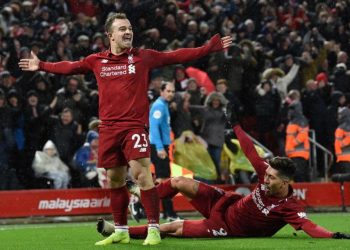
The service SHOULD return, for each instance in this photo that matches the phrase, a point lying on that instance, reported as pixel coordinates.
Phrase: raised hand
(29, 64)
(226, 41)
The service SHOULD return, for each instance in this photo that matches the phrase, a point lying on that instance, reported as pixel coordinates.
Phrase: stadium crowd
(285, 52)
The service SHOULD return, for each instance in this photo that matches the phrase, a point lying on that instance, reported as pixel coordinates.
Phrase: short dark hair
(284, 165)
(111, 19)
(164, 84)
(67, 110)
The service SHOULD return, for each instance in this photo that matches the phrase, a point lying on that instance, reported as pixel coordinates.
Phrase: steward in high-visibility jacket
(342, 141)
(297, 141)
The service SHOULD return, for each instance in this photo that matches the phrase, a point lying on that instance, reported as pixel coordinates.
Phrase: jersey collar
(110, 54)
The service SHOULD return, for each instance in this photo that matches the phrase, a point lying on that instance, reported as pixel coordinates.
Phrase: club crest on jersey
(131, 69)
(131, 59)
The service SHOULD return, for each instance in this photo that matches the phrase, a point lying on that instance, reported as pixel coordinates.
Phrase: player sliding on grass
(122, 74)
(262, 213)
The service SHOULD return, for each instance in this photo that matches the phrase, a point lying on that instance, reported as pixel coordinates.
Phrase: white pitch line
(34, 226)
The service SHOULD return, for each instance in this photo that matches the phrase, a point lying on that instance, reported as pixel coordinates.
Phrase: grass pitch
(83, 236)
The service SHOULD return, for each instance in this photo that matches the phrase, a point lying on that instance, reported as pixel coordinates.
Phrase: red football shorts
(211, 203)
(118, 145)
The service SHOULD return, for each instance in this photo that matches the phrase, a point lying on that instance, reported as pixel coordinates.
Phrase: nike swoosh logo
(133, 211)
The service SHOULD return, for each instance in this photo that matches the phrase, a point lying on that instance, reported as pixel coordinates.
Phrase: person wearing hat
(341, 78)
(213, 126)
(93, 124)
(279, 79)
(48, 164)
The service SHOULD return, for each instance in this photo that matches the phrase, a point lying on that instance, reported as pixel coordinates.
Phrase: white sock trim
(121, 228)
(155, 226)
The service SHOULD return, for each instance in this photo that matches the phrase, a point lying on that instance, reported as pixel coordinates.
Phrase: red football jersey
(123, 79)
(258, 214)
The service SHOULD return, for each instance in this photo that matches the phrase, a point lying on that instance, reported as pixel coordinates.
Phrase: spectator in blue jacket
(85, 160)
(159, 119)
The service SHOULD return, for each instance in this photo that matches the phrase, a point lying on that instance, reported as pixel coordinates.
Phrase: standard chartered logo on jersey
(259, 203)
(118, 70)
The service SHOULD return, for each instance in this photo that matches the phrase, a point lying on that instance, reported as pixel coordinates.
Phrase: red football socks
(119, 204)
(150, 202)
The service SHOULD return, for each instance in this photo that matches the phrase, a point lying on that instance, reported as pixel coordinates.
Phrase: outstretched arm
(65, 67)
(250, 152)
(295, 216)
(316, 231)
(156, 59)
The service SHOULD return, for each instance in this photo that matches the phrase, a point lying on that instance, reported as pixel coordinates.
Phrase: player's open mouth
(127, 39)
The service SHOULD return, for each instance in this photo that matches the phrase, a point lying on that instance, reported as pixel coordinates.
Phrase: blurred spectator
(338, 100)
(193, 93)
(89, 8)
(180, 78)
(47, 163)
(85, 160)
(72, 97)
(170, 30)
(82, 48)
(35, 117)
(6, 81)
(154, 40)
(315, 110)
(341, 143)
(289, 65)
(313, 57)
(181, 119)
(98, 43)
(43, 90)
(292, 97)
(341, 78)
(267, 108)
(324, 87)
(279, 80)
(17, 156)
(8, 179)
(66, 134)
(154, 86)
(297, 141)
(234, 104)
(213, 127)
